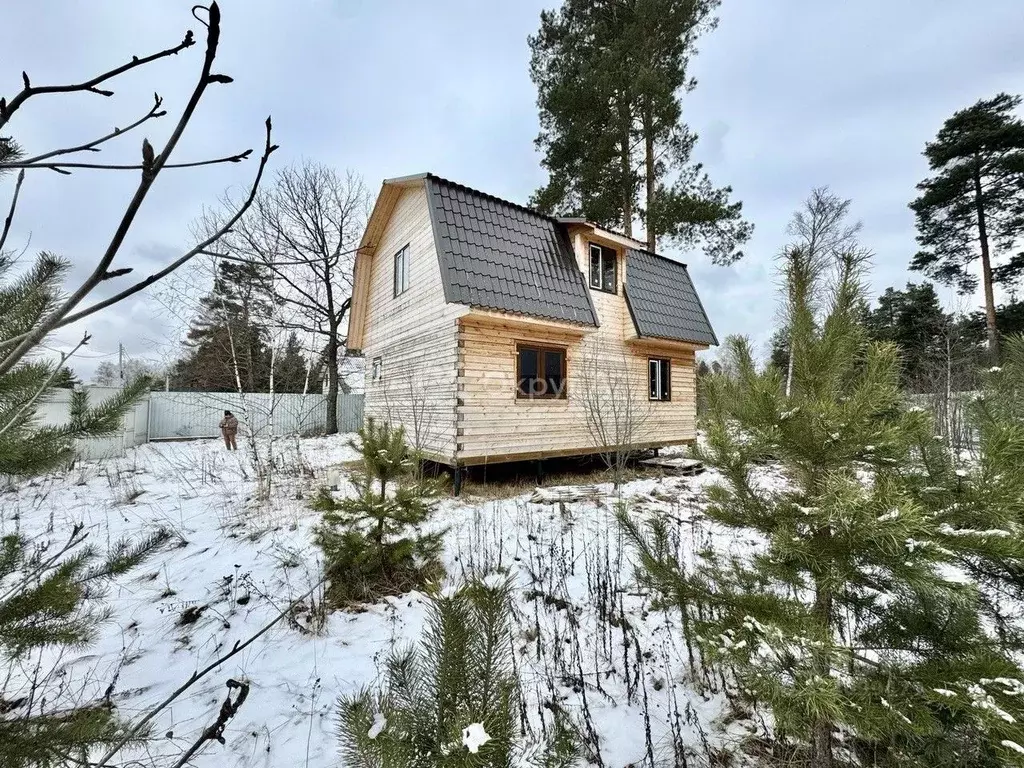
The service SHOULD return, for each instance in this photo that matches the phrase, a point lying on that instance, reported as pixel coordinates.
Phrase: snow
(474, 737)
(236, 561)
(1012, 745)
(378, 725)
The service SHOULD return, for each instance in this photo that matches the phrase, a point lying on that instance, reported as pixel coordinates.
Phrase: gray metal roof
(498, 255)
(663, 301)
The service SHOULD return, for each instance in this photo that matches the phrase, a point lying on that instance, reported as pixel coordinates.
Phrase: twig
(200, 674)
(153, 113)
(8, 109)
(10, 213)
(61, 167)
(215, 731)
(268, 150)
(153, 164)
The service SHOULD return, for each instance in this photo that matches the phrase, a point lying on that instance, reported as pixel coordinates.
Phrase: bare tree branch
(62, 167)
(10, 213)
(153, 164)
(140, 724)
(7, 109)
(184, 258)
(154, 112)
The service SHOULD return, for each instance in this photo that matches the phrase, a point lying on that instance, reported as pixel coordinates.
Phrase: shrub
(454, 701)
(372, 543)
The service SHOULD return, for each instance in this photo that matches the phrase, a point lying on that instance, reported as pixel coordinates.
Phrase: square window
(603, 268)
(402, 271)
(660, 378)
(540, 372)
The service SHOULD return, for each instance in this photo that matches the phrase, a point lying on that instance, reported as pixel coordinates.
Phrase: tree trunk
(627, 174)
(649, 172)
(986, 268)
(821, 733)
(332, 382)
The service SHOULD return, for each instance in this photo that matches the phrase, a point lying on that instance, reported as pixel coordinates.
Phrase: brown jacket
(229, 425)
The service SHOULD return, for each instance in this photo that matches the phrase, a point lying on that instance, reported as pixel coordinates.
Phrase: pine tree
(290, 369)
(371, 541)
(974, 201)
(48, 599)
(227, 342)
(48, 594)
(609, 77)
(859, 620)
(914, 320)
(454, 701)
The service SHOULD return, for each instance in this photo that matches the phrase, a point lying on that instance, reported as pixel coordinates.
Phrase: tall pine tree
(228, 341)
(609, 77)
(973, 205)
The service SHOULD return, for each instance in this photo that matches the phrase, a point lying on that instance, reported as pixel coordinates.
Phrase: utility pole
(120, 363)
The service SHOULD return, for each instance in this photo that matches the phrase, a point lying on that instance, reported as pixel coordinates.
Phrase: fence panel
(350, 412)
(197, 414)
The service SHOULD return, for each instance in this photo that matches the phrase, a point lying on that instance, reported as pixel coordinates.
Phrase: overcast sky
(792, 94)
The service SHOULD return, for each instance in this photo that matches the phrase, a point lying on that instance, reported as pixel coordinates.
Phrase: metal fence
(184, 415)
(196, 414)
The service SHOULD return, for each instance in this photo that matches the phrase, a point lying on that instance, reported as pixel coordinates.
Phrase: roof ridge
(663, 257)
(495, 198)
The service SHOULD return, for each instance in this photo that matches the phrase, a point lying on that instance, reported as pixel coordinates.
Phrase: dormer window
(603, 266)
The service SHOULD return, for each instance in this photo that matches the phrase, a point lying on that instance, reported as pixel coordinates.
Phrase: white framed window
(660, 378)
(376, 369)
(603, 268)
(402, 271)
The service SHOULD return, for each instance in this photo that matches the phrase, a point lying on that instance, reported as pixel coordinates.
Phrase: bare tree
(305, 228)
(821, 230)
(615, 409)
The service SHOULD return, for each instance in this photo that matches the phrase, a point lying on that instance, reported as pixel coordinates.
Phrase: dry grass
(499, 482)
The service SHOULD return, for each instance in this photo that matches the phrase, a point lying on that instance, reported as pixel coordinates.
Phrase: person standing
(229, 429)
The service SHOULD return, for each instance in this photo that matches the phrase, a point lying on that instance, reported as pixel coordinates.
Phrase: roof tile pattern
(500, 256)
(663, 301)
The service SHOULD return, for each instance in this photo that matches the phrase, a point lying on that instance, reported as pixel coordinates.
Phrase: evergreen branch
(10, 213)
(154, 112)
(61, 167)
(153, 165)
(65, 356)
(7, 109)
(141, 724)
(73, 541)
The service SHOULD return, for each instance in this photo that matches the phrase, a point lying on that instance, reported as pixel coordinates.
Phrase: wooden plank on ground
(675, 464)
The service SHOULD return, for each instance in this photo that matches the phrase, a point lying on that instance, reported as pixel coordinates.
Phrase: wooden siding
(609, 362)
(413, 334)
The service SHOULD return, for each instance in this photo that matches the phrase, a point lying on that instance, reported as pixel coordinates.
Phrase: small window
(376, 369)
(660, 375)
(540, 372)
(603, 266)
(402, 271)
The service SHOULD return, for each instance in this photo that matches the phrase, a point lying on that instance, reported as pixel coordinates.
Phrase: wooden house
(495, 333)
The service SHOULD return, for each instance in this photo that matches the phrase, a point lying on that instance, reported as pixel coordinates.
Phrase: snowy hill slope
(587, 638)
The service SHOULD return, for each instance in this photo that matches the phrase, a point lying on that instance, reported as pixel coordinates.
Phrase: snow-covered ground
(586, 634)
